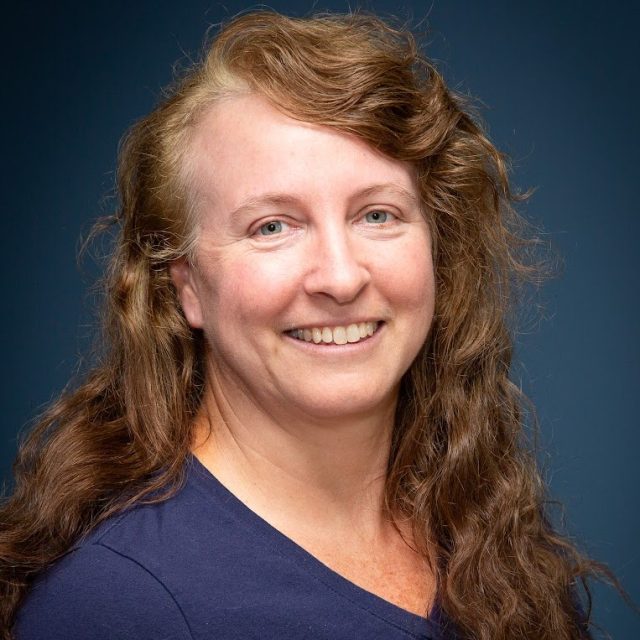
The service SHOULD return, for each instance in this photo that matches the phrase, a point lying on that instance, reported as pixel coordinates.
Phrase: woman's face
(309, 241)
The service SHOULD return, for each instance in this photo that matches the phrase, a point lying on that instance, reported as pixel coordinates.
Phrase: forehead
(243, 148)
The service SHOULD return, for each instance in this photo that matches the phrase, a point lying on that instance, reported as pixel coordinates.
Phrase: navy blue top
(202, 565)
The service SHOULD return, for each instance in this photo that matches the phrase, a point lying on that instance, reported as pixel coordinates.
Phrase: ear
(183, 279)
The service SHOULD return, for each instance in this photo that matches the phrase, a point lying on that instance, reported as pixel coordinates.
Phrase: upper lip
(332, 323)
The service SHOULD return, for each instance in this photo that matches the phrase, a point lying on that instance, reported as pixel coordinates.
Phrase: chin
(345, 405)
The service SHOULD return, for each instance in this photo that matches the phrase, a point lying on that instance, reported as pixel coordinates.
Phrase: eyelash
(277, 221)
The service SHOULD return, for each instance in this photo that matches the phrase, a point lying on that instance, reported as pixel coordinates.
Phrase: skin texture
(300, 432)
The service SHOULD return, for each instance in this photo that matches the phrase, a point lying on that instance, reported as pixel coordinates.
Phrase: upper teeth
(336, 335)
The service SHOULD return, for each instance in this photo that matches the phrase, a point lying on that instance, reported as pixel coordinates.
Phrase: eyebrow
(389, 187)
(280, 199)
(275, 199)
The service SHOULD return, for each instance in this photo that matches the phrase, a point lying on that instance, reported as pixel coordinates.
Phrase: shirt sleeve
(95, 593)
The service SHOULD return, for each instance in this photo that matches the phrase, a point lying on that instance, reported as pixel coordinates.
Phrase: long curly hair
(460, 469)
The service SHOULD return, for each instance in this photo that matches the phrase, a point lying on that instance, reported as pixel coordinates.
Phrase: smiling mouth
(336, 335)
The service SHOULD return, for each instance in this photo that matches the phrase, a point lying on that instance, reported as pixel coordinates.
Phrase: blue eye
(377, 217)
(271, 228)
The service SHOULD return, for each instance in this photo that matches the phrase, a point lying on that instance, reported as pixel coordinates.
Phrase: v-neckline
(414, 624)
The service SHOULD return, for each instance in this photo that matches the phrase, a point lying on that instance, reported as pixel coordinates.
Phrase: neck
(298, 469)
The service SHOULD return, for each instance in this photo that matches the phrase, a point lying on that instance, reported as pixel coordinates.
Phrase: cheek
(408, 278)
(416, 297)
(248, 290)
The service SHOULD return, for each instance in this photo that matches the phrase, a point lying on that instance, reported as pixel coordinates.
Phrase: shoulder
(120, 581)
(114, 584)
(95, 592)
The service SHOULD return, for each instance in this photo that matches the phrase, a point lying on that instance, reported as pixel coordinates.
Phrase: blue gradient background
(560, 87)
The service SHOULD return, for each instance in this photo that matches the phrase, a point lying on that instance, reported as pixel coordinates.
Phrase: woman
(302, 423)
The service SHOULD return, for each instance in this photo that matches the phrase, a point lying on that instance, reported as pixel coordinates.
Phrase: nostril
(341, 282)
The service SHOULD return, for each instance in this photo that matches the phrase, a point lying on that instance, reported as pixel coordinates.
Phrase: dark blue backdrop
(560, 87)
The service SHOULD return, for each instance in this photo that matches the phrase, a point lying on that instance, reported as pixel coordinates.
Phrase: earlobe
(182, 277)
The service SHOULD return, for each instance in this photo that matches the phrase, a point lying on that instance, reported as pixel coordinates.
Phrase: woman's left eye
(379, 217)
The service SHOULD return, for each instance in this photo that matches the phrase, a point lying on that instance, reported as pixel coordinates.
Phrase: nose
(337, 268)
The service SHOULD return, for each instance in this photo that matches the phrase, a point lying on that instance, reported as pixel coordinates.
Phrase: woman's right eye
(271, 228)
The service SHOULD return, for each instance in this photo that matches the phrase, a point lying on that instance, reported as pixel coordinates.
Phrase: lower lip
(349, 347)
